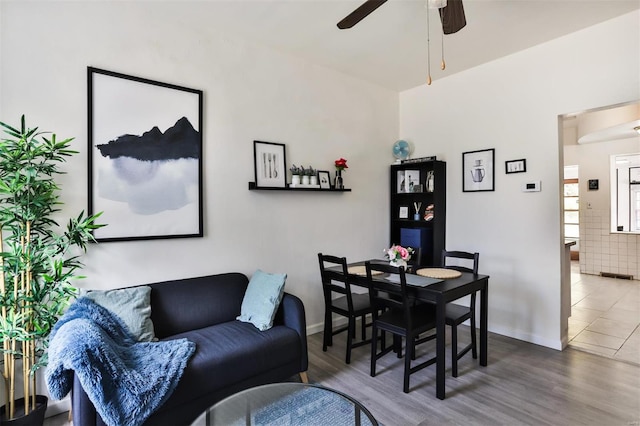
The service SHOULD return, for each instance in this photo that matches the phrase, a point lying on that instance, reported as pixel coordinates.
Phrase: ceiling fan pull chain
(443, 65)
(426, 6)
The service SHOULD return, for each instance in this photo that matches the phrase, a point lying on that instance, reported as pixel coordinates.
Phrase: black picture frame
(324, 179)
(478, 170)
(144, 157)
(515, 166)
(594, 184)
(269, 164)
(403, 212)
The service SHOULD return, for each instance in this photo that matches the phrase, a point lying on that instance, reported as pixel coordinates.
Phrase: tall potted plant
(37, 261)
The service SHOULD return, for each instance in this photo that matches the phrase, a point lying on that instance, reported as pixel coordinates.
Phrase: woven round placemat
(441, 273)
(362, 271)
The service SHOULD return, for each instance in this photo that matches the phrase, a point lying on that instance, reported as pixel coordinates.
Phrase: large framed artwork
(478, 170)
(145, 157)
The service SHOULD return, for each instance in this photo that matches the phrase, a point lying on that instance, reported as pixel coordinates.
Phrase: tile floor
(605, 316)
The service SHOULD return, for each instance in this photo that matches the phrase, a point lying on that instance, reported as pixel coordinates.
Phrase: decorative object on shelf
(324, 179)
(308, 175)
(403, 212)
(419, 160)
(340, 164)
(398, 255)
(478, 170)
(295, 174)
(144, 173)
(418, 188)
(313, 178)
(408, 180)
(429, 213)
(416, 206)
(401, 150)
(269, 164)
(515, 166)
(430, 182)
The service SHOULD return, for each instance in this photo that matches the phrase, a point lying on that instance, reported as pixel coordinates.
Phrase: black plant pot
(34, 418)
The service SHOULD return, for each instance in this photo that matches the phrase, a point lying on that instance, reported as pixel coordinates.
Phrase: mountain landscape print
(146, 164)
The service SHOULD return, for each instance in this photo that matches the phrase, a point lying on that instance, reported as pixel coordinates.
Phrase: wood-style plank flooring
(523, 384)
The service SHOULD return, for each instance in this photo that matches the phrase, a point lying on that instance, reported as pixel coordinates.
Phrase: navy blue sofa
(230, 355)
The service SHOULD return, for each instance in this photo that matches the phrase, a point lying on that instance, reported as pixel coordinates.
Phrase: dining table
(439, 292)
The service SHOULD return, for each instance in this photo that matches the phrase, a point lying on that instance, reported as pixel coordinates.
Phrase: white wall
(249, 94)
(512, 105)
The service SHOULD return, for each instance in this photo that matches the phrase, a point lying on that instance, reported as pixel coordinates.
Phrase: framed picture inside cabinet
(145, 157)
(269, 164)
(478, 170)
(324, 179)
(403, 212)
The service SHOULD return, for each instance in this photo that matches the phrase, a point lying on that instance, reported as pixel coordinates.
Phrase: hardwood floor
(523, 384)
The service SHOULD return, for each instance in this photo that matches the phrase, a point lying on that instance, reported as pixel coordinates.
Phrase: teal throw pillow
(132, 305)
(262, 298)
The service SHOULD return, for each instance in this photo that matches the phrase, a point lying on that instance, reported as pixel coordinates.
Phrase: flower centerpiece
(398, 255)
(340, 164)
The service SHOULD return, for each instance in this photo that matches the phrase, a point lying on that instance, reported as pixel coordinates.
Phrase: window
(571, 210)
(625, 193)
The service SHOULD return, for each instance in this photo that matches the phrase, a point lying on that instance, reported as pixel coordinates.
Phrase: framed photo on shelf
(515, 166)
(269, 164)
(478, 170)
(145, 157)
(324, 179)
(403, 212)
(407, 180)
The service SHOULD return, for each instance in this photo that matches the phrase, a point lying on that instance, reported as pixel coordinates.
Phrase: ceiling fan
(451, 15)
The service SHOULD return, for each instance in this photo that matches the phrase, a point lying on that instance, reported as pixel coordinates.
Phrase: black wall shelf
(253, 187)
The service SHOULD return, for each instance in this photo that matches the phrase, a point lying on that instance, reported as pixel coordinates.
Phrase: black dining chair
(457, 314)
(335, 280)
(400, 316)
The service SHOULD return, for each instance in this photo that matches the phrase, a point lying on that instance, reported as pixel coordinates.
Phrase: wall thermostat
(531, 186)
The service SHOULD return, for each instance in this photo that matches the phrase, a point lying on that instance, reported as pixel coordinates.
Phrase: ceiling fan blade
(452, 17)
(360, 13)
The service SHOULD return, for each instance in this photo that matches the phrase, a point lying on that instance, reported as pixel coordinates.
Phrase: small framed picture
(324, 179)
(593, 184)
(269, 164)
(403, 213)
(417, 188)
(515, 166)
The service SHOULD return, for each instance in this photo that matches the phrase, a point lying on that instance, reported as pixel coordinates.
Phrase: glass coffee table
(287, 404)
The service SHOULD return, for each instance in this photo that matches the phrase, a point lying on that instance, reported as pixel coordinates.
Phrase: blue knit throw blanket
(125, 380)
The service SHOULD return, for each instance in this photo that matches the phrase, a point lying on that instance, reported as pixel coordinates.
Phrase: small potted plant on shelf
(313, 175)
(38, 260)
(295, 174)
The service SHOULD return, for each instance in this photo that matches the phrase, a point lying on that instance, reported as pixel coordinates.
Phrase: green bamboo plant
(38, 257)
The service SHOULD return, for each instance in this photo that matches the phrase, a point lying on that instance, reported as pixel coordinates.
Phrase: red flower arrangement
(341, 164)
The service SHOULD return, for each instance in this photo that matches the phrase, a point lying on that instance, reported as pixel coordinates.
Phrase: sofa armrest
(291, 314)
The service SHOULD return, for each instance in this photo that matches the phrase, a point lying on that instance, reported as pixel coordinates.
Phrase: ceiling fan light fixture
(436, 4)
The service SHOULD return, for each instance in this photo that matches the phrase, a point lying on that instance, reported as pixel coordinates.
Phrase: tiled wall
(602, 251)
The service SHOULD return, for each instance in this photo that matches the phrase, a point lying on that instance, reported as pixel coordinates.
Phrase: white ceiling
(389, 46)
